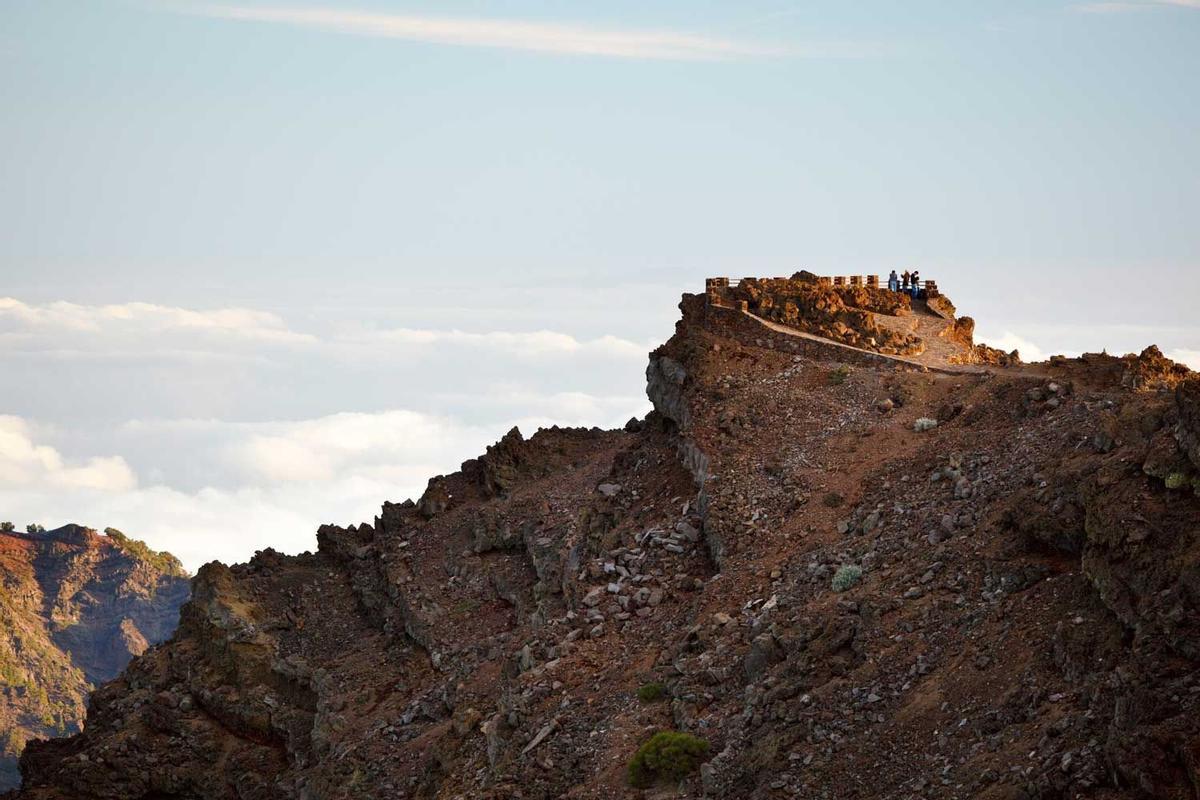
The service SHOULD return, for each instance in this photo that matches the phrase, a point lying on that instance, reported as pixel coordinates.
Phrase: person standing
(906, 277)
(916, 284)
(893, 282)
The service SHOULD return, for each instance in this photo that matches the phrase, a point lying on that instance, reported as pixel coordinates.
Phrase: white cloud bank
(22, 321)
(75, 329)
(541, 37)
(397, 446)
(1009, 341)
(1029, 351)
(1185, 356)
(215, 433)
(30, 466)
(530, 344)
(165, 421)
(283, 478)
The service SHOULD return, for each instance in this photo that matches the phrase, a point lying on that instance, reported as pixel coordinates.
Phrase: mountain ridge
(820, 571)
(76, 606)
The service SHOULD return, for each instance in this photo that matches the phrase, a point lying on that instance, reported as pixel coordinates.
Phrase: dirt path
(936, 356)
(928, 326)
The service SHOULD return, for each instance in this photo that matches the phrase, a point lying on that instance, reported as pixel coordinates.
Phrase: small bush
(846, 576)
(1176, 480)
(164, 562)
(7, 527)
(667, 756)
(11, 674)
(839, 375)
(924, 424)
(833, 499)
(652, 692)
(33, 527)
(463, 607)
(14, 743)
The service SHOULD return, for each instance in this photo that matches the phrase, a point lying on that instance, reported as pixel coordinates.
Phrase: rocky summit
(850, 554)
(75, 607)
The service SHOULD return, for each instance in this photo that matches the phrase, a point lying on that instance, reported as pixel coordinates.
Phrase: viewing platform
(916, 324)
(927, 288)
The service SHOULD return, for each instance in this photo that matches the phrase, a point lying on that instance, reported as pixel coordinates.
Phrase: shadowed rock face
(76, 606)
(1187, 399)
(1022, 621)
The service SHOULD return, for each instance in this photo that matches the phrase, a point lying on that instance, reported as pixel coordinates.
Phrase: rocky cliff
(75, 607)
(813, 571)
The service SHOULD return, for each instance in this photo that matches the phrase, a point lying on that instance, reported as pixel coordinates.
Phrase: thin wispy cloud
(541, 37)
(1123, 6)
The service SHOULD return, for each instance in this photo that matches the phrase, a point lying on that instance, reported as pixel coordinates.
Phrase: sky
(264, 265)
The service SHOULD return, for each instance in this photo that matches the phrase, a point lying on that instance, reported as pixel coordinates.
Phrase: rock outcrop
(75, 607)
(821, 597)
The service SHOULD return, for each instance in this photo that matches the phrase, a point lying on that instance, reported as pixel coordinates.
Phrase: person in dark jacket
(916, 284)
(906, 278)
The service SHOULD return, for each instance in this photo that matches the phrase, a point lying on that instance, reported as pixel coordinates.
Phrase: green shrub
(667, 756)
(14, 743)
(11, 674)
(33, 527)
(1176, 480)
(839, 375)
(846, 576)
(652, 692)
(164, 562)
(7, 527)
(467, 606)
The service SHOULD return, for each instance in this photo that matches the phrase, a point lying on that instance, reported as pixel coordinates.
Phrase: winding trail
(934, 359)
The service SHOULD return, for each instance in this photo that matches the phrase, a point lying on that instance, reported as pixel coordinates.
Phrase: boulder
(436, 498)
(764, 652)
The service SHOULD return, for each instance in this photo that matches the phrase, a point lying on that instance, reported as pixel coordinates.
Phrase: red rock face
(75, 607)
(1015, 610)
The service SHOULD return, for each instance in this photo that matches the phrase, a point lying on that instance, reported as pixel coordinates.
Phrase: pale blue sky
(182, 151)
(508, 169)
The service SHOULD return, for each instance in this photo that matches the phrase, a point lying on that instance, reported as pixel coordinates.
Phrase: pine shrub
(666, 756)
(651, 692)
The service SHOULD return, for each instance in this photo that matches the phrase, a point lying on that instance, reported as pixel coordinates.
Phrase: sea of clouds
(215, 432)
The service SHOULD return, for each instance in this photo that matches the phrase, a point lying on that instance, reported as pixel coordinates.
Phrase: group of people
(909, 282)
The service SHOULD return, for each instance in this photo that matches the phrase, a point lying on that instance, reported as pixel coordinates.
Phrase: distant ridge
(75, 606)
